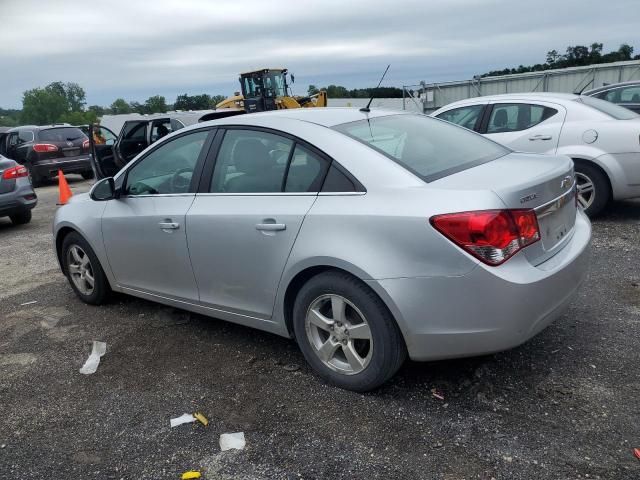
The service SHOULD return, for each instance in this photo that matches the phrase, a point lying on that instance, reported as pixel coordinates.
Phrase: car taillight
(15, 172)
(493, 236)
(85, 144)
(44, 147)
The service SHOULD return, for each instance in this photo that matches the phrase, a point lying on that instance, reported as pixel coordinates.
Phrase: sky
(136, 49)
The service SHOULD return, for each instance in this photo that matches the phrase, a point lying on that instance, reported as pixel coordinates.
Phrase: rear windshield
(608, 108)
(425, 146)
(61, 134)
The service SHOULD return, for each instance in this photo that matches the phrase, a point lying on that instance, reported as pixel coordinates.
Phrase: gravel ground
(562, 406)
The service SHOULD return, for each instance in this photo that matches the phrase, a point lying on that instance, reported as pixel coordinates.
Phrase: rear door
(144, 229)
(247, 215)
(525, 126)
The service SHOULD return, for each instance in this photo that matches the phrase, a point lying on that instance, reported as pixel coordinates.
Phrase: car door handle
(271, 227)
(540, 137)
(169, 225)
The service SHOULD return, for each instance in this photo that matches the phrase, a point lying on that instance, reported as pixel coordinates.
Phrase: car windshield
(64, 134)
(608, 108)
(428, 147)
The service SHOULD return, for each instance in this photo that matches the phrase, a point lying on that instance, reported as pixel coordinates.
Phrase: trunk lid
(544, 183)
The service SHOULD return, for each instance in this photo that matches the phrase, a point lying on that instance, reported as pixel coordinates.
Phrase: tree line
(337, 91)
(61, 102)
(574, 56)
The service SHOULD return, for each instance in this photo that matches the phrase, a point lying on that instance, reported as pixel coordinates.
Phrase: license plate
(71, 152)
(557, 219)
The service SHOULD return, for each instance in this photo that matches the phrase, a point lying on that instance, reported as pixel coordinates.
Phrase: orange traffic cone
(65, 192)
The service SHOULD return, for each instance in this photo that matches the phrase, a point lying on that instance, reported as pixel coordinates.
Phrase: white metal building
(566, 80)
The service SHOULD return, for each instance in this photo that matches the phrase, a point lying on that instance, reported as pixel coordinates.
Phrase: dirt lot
(563, 406)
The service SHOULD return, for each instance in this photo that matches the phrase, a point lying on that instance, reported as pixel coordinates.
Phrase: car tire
(594, 190)
(356, 363)
(80, 265)
(88, 175)
(21, 218)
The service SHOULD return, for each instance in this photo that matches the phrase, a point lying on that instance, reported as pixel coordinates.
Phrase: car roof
(611, 86)
(326, 116)
(561, 98)
(41, 127)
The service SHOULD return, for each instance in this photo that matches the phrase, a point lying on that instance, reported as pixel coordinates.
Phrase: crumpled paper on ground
(184, 418)
(91, 365)
(230, 441)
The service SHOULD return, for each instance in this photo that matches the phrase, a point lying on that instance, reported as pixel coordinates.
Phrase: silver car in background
(366, 236)
(17, 197)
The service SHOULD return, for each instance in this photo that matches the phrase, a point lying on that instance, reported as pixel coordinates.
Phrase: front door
(144, 230)
(241, 231)
(526, 126)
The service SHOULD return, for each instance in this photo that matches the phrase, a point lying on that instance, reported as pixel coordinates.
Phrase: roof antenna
(366, 109)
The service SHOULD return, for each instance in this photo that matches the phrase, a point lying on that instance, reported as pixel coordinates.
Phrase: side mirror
(104, 190)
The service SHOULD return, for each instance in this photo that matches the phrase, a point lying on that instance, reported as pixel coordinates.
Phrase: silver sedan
(366, 236)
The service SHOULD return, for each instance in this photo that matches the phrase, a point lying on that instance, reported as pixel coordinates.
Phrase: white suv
(603, 139)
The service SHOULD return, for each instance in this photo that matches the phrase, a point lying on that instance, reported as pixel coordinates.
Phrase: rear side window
(253, 161)
(427, 147)
(336, 181)
(513, 117)
(306, 171)
(608, 108)
(63, 134)
(466, 117)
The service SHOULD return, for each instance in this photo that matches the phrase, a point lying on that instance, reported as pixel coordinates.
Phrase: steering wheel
(178, 183)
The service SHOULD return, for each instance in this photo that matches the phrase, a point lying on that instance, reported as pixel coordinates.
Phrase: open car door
(101, 145)
(136, 135)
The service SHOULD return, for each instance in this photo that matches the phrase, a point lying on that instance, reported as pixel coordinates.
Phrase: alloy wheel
(586, 190)
(339, 334)
(80, 269)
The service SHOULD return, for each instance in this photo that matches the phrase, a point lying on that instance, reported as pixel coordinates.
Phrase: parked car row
(44, 150)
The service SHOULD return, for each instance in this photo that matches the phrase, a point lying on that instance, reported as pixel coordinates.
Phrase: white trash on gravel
(230, 441)
(91, 365)
(184, 418)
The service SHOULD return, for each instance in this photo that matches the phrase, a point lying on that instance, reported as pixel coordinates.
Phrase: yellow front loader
(267, 89)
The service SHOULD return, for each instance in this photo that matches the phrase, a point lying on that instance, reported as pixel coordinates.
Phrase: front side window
(630, 94)
(167, 169)
(515, 117)
(425, 146)
(466, 117)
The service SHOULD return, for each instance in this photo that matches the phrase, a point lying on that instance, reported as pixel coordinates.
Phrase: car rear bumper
(17, 201)
(489, 309)
(49, 168)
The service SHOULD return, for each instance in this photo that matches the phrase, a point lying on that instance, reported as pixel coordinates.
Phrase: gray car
(17, 197)
(366, 236)
(625, 94)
